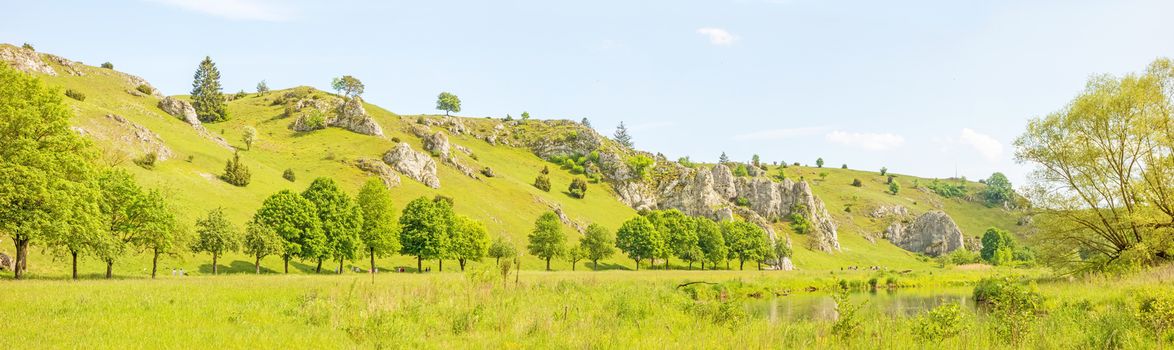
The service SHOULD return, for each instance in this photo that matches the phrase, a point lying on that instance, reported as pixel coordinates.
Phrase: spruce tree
(622, 136)
(207, 99)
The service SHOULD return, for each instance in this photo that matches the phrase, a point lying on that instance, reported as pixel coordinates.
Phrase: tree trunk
(419, 264)
(257, 265)
(760, 265)
(637, 264)
(109, 269)
(702, 265)
(22, 254)
(690, 265)
(74, 253)
(595, 265)
(547, 264)
(666, 264)
(439, 265)
(214, 258)
(741, 264)
(573, 263)
(154, 263)
(340, 262)
(497, 261)
(727, 264)
(319, 268)
(286, 258)
(372, 261)
(462, 262)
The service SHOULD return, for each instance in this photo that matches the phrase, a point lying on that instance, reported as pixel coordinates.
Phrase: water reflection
(821, 306)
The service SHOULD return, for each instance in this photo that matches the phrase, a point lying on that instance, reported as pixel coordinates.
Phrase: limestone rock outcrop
(352, 116)
(180, 109)
(438, 144)
(319, 113)
(413, 164)
(140, 137)
(933, 233)
(25, 60)
(380, 169)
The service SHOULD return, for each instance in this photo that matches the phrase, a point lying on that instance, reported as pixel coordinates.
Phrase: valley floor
(607, 309)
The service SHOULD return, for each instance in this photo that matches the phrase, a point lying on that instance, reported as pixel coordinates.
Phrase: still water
(819, 306)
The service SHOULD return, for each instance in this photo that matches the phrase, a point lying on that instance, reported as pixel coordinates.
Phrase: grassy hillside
(507, 203)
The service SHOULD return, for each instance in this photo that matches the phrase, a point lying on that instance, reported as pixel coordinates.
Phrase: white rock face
(438, 143)
(146, 140)
(180, 109)
(380, 169)
(25, 60)
(334, 112)
(933, 233)
(413, 164)
(352, 116)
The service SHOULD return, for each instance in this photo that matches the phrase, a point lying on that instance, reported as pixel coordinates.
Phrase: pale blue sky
(922, 87)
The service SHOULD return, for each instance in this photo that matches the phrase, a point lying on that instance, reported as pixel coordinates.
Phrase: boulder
(413, 164)
(380, 169)
(438, 144)
(933, 233)
(25, 60)
(352, 116)
(180, 109)
(889, 210)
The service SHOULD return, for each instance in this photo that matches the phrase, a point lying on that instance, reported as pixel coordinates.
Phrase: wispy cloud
(243, 10)
(989, 147)
(718, 36)
(779, 134)
(866, 140)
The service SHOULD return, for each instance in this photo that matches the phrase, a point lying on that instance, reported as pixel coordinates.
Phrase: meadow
(582, 309)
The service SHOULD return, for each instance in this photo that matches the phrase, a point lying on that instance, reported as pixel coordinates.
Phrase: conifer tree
(622, 136)
(207, 98)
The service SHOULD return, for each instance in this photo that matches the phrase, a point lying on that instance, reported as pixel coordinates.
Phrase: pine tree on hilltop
(622, 136)
(207, 99)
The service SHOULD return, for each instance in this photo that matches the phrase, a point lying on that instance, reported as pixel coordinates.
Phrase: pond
(821, 307)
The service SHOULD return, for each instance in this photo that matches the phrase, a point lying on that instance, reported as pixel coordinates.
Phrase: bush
(578, 188)
(845, 166)
(288, 174)
(145, 89)
(108, 65)
(236, 173)
(28, 46)
(742, 202)
(740, 170)
(191, 158)
(894, 188)
(639, 164)
(848, 323)
(1013, 306)
(799, 223)
(147, 161)
(74, 94)
(857, 183)
(884, 171)
(948, 190)
(1157, 313)
(395, 139)
(944, 321)
(545, 170)
(542, 182)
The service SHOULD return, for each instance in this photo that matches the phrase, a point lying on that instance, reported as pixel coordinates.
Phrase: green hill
(114, 110)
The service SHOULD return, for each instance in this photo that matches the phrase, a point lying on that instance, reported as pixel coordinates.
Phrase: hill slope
(128, 124)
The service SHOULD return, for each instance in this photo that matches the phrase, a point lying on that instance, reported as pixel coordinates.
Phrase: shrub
(488, 172)
(545, 170)
(147, 161)
(191, 158)
(639, 164)
(145, 89)
(884, 171)
(944, 321)
(848, 323)
(108, 65)
(28, 46)
(799, 223)
(288, 174)
(74, 94)
(894, 188)
(742, 202)
(578, 188)
(395, 139)
(1014, 306)
(1157, 312)
(236, 173)
(890, 178)
(857, 183)
(542, 182)
(948, 190)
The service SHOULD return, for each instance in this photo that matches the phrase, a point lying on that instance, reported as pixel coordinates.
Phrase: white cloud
(246, 10)
(866, 140)
(987, 146)
(718, 36)
(778, 134)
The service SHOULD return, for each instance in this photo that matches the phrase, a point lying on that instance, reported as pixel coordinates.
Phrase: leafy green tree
(542, 182)
(448, 102)
(502, 248)
(207, 97)
(80, 229)
(578, 188)
(124, 206)
(249, 137)
(597, 243)
(755, 160)
(424, 227)
(295, 220)
(622, 137)
(470, 240)
(586, 122)
(680, 233)
(723, 159)
(639, 239)
(746, 241)
(819, 163)
(547, 240)
(574, 254)
(262, 88)
(894, 187)
(998, 190)
(997, 246)
(160, 232)
(525, 116)
(782, 250)
(348, 86)
(42, 162)
(216, 236)
(341, 220)
(261, 241)
(884, 171)
(380, 233)
(639, 164)
(710, 241)
(236, 172)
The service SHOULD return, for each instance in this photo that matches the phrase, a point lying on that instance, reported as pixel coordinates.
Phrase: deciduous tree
(295, 220)
(424, 229)
(547, 241)
(341, 220)
(216, 235)
(448, 102)
(597, 243)
(380, 234)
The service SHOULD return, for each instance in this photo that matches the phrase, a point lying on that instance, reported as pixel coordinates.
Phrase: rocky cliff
(933, 233)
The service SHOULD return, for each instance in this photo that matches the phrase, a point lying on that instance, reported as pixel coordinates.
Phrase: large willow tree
(1104, 176)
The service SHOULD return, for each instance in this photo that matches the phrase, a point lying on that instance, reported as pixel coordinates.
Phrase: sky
(929, 88)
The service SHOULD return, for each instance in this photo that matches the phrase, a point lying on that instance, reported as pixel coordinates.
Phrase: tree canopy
(216, 236)
(597, 243)
(348, 86)
(448, 102)
(639, 240)
(547, 240)
(424, 227)
(341, 220)
(380, 233)
(207, 96)
(295, 220)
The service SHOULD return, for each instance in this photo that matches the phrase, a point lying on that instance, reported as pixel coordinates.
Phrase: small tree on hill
(755, 160)
(884, 171)
(819, 163)
(262, 88)
(578, 188)
(723, 159)
(216, 236)
(448, 102)
(622, 137)
(235, 172)
(547, 241)
(894, 188)
(348, 86)
(249, 137)
(574, 254)
(380, 234)
(261, 241)
(597, 243)
(998, 190)
(207, 97)
(525, 116)
(542, 182)
(108, 65)
(586, 122)
(502, 248)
